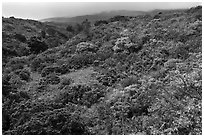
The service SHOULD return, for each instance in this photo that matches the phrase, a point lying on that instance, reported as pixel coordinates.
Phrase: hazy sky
(41, 10)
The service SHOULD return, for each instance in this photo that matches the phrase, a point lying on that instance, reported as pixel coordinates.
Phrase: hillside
(94, 17)
(24, 37)
(125, 75)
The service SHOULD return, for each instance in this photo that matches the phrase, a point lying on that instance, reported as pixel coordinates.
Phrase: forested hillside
(122, 76)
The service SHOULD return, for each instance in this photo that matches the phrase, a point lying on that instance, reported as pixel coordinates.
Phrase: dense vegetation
(125, 75)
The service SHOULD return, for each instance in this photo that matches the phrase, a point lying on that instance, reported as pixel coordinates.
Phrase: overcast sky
(42, 10)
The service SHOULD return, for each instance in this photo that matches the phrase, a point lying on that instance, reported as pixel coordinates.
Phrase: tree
(86, 27)
(70, 28)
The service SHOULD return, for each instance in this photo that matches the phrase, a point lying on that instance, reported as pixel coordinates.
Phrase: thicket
(154, 90)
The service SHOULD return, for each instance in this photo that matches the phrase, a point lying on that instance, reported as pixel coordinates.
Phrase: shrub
(37, 64)
(51, 79)
(23, 49)
(85, 46)
(104, 52)
(65, 82)
(37, 46)
(129, 81)
(70, 28)
(157, 16)
(16, 81)
(8, 52)
(100, 22)
(86, 27)
(24, 94)
(78, 28)
(20, 37)
(154, 86)
(53, 42)
(17, 63)
(54, 119)
(108, 78)
(81, 60)
(64, 68)
(25, 75)
(180, 51)
(5, 121)
(76, 40)
(171, 63)
(49, 70)
(119, 18)
(6, 85)
(81, 94)
(72, 94)
(42, 87)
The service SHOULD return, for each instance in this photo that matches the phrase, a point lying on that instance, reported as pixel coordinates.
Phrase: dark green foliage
(86, 27)
(43, 33)
(6, 86)
(37, 64)
(5, 121)
(25, 75)
(180, 51)
(54, 119)
(36, 45)
(119, 18)
(124, 76)
(100, 22)
(129, 81)
(23, 49)
(70, 28)
(16, 81)
(196, 12)
(157, 16)
(81, 94)
(103, 54)
(41, 61)
(53, 42)
(49, 70)
(83, 59)
(65, 82)
(17, 63)
(109, 77)
(78, 28)
(8, 52)
(42, 87)
(20, 37)
(52, 79)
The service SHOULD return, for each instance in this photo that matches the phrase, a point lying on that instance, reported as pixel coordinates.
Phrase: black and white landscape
(114, 72)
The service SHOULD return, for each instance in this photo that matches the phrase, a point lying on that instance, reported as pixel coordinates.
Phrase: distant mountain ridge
(94, 17)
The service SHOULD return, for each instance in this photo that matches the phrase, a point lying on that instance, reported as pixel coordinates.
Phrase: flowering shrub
(85, 46)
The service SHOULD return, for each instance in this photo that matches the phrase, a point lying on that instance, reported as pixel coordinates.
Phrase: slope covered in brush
(126, 75)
